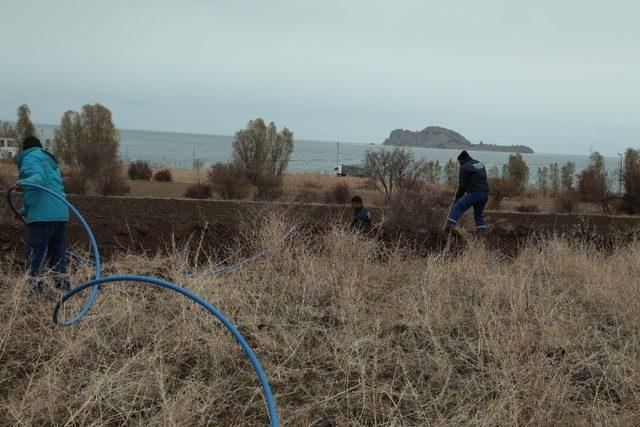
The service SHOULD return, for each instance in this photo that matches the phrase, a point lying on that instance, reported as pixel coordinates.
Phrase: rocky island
(439, 137)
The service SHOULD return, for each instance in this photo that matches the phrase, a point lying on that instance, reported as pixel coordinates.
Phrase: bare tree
(631, 178)
(67, 138)
(88, 142)
(24, 126)
(451, 170)
(567, 176)
(554, 172)
(7, 129)
(396, 169)
(262, 152)
(518, 172)
(543, 180)
(594, 183)
(100, 139)
(434, 172)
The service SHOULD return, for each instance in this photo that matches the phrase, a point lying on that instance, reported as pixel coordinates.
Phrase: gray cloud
(561, 76)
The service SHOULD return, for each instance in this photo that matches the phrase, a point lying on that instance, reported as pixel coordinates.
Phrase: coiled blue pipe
(97, 281)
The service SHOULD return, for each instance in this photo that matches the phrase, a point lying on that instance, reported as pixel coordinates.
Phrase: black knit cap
(463, 156)
(31, 142)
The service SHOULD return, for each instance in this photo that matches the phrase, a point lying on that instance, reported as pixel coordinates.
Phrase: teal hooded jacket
(39, 167)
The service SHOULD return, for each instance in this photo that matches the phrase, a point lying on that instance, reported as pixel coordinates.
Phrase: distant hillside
(438, 137)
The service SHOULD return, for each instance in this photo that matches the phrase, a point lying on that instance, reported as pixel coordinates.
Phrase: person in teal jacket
(45, 215)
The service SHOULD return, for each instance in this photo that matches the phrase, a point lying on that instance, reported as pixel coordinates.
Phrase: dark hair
(463, 156)
(356, 199)
(31, 142)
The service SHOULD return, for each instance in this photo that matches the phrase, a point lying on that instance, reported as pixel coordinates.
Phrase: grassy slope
(349, 332)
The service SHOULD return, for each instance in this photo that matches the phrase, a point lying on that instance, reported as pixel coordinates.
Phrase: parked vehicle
(350, 170)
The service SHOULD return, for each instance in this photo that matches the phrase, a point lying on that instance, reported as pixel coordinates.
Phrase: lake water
(178, 150)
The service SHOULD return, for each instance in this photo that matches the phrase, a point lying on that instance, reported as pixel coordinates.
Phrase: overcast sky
(559, 75)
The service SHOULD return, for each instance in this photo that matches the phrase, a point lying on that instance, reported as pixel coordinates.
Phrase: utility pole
(337, 154)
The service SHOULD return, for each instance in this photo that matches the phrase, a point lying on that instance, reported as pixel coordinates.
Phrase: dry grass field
(350, 331)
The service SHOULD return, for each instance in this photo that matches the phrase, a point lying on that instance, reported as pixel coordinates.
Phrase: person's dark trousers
(477, 200)
(46, 244)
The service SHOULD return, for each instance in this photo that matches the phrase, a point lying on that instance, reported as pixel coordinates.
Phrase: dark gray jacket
(361, 220)
(472, 179)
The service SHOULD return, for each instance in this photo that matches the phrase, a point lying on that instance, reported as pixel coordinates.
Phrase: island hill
(438, 137)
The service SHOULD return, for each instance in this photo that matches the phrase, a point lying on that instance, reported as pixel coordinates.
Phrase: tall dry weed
(349, 331)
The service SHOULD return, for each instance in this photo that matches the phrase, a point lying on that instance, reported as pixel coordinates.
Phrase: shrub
(527, 208)
(307, 196)
(437, 196)
(269, 188)
(74, 182)
(111, 180)
(566, 202)
(229, 181)
(198, 191)
(339, 193)
(500, 188)
(140, 170)
(414, 210)
(163, 175)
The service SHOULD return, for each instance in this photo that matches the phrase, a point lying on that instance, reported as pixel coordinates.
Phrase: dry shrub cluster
(140, 170)
(350, 332)
(198, 191)
(229, 181)
(339, 193)
(414, 210)
(163, 175)
(566, 202)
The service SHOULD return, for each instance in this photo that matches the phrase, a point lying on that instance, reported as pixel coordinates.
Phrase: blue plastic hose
(211, 272)
(271, 405)
(94, 248)
(237, 265)
(97, 281)
(15, 210)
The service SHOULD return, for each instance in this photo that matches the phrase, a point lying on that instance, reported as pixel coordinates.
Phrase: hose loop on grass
(97, 281)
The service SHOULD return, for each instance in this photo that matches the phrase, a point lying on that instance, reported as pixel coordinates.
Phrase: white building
(8, 147)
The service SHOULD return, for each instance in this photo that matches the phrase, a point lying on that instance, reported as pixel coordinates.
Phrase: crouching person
(473, 191)
(45, 215)
(361, 216)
